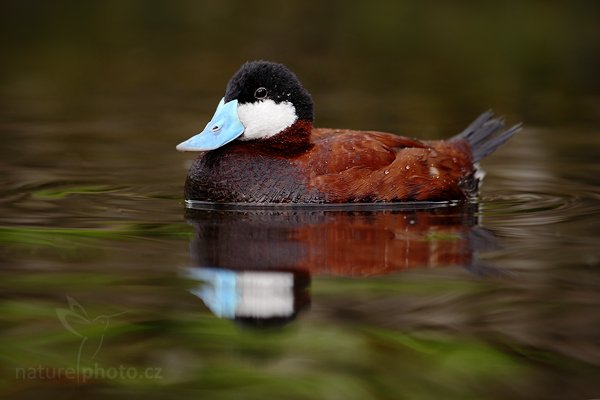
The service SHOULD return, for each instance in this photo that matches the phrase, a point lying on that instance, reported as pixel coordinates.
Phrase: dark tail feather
(483, 137)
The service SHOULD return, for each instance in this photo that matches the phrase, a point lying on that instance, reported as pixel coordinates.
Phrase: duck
(260, 147)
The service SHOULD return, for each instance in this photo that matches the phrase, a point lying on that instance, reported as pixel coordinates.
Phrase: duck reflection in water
(255, 264)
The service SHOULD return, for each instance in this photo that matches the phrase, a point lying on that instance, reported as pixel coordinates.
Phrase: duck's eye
(260, 93)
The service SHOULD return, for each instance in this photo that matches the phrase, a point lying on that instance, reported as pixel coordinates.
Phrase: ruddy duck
(261, 147)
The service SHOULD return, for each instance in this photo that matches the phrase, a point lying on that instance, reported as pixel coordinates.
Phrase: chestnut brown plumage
(339, 166)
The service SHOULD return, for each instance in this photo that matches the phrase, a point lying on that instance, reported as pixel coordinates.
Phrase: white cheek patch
(265, 118)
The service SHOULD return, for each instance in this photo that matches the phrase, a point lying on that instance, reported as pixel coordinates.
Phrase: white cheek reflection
(265, 118)
(255, 294)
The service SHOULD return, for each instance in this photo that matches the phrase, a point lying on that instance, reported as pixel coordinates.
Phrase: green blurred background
(408, 63)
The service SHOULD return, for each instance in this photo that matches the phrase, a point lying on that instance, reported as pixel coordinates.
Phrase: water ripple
(547, 201)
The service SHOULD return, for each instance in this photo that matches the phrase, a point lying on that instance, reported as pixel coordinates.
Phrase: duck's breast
(230, 175)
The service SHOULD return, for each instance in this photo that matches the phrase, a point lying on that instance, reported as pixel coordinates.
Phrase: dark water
(110, 287)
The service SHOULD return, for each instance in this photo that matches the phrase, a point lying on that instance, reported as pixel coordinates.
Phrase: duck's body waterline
(339, 167)
(279, 158)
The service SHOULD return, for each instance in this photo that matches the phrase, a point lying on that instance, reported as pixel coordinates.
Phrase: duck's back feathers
(337, 150)
(357, 166)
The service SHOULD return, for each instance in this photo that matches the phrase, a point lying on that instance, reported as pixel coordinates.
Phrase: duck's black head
(261, 81)
(264, 102)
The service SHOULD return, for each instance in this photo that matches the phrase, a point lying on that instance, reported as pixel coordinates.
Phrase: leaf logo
(76, 320)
